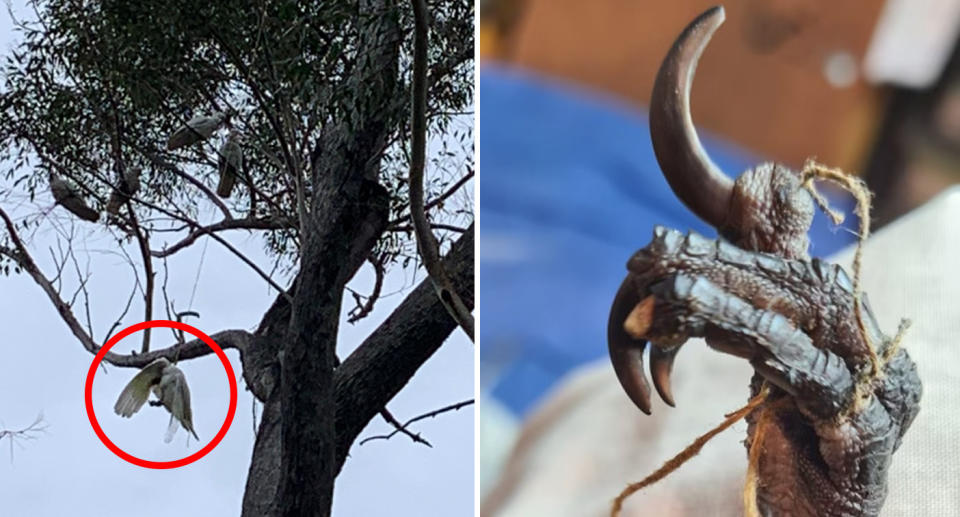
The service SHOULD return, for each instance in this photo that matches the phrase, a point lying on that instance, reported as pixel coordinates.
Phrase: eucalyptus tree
(320, 92)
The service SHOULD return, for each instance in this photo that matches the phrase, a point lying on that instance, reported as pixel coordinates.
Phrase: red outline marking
(88, 395)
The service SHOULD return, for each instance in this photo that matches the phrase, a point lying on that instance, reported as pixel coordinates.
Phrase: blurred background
(571, 187)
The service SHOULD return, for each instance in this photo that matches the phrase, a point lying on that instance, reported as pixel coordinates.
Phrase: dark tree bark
(382, 365)
(351, 211)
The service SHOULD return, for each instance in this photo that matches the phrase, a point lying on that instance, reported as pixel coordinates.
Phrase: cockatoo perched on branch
(127, 187)
(169, 385)
(66, 195)
(231, 163)
(197, 129)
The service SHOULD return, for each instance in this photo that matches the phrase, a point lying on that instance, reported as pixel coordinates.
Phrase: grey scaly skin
(756, 294)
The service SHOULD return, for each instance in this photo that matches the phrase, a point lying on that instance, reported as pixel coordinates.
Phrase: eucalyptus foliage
(94, 87)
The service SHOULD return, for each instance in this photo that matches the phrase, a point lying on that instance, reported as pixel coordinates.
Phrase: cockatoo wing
(128, 186)
(135, 394)
(116, 201)
(231, 161)
(60, 188)
(196, 129)
(175, 396)
(80, 209)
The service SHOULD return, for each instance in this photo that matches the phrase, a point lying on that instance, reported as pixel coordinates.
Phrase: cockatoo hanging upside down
(169, 385)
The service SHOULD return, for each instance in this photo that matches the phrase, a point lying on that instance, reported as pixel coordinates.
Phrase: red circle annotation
(88, 395)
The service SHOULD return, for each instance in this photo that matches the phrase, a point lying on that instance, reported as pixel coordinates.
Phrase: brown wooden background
(760, 83)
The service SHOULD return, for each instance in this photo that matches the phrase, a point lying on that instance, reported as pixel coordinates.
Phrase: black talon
(661, 365)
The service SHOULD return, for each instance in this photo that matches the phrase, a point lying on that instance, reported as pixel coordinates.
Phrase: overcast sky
(68, 471)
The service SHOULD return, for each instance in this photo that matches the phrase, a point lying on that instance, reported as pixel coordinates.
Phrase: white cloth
(587, 441)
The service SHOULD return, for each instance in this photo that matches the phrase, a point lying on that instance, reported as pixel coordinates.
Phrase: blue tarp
(569, 189)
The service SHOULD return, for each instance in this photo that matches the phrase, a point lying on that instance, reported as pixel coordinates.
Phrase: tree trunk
(379, 368)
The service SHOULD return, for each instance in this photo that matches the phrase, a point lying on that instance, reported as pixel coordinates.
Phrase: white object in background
(912, 41)
(497, 432)
(586, 441)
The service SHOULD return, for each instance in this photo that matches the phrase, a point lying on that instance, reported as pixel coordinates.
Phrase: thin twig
(363, 309)
(431, 414)
(29, 433)
(143, 243)
(252, 265)
(439, 199)
(434, 226)
(23, 258)
(226, 224)
(397, 426)
(83, 278)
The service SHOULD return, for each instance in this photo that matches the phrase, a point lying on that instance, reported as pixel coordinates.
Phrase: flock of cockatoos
(161, 376)
(196, 130)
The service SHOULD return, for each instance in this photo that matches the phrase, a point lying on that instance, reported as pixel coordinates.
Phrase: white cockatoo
(230, 164)
(169, 385)
(127, 187)
(66, 195)
(197, 129)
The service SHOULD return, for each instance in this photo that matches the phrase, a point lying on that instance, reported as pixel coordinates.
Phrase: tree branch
(164, 165)
(404, 428)
(365, 308)
(23, 258)
(226, 339)
(397, 428)
(426, 242)
(28, 433)
(439, 199)
(436, 226)
(226, 224)
(144, 245)
(248, 262)
(383, 364)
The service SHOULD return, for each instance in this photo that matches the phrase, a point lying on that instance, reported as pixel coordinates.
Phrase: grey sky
(68, 471)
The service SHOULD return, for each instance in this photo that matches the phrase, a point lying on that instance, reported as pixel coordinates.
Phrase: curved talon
(626, 351)
(661, 365)
(692, 175)
(758, 296)
(630, 319)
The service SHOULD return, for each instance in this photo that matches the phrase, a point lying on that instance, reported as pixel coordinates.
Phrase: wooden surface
(761, 82)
